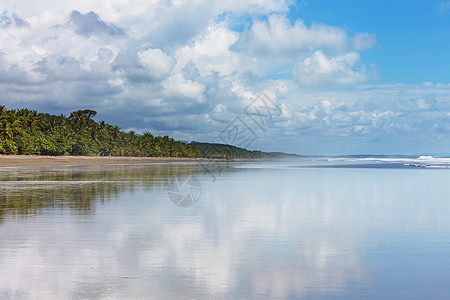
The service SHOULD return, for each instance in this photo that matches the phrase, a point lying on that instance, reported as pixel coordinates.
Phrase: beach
(38, 160)
(307, 229)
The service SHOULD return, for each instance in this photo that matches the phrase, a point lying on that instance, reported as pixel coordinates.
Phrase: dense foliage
(224, 151)
(24, 131)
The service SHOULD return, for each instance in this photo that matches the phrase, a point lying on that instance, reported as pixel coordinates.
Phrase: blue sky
(413, 36)
(348, 76)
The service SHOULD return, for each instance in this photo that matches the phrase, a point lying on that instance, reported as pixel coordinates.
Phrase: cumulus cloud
(366, 119)
(178, 86)
(12, 72)
(190, 71)
(210, 51)
(90, 23)
(12, 21)
(61, 68)
(277, 36)
(129, 66)
(182, 68)
(319, 70)
(158, 63)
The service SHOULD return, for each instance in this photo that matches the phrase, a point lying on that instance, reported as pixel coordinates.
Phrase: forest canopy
(28, 132)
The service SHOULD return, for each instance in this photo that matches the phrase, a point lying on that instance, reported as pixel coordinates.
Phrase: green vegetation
(224, 151)
(27, 132)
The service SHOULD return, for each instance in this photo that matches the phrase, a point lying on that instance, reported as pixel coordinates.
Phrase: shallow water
(251, 230)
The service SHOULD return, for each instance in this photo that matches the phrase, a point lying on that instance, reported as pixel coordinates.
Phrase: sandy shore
(34, 160)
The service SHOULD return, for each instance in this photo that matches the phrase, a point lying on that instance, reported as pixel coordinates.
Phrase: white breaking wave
(421, 161)
(425, 157)
(430, 162)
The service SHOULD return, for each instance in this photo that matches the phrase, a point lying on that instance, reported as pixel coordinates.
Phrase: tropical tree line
(28, 132)
(24, 131)
(224, 151)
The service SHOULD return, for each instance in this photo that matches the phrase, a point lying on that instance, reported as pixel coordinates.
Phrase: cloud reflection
(245, 238)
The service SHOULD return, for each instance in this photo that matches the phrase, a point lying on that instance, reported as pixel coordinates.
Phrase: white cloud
(157, 62)
(179, 67)
(178, 86)
(362, 41)
(277, 36)
(90, 24)
(319, 70)
(373, 118)
(210, 51)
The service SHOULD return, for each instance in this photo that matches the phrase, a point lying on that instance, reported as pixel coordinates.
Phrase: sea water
(334, 228)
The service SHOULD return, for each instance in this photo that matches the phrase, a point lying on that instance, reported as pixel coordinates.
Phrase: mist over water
(334, 228)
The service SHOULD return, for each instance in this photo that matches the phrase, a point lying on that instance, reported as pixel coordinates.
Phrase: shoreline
(42, 161)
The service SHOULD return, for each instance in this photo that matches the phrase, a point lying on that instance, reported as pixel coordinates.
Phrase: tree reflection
(28, 191)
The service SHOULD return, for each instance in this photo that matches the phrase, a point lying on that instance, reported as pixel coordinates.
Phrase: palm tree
(80, 118)
(103, 127)
(3, 110)
(30, 119)
(9, 127)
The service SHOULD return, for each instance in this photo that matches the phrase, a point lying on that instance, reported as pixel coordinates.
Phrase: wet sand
(35, 160)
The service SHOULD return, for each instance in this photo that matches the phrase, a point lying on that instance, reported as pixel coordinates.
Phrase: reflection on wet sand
(112, 232)
(28, 190)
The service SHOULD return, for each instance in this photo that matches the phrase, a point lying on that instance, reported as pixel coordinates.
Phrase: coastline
(39, 160)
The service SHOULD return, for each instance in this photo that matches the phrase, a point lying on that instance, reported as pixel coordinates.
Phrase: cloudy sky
(348, 76)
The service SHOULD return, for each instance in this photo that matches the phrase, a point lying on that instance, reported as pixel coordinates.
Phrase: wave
(423, 161)
(384, 162)
(424, 157)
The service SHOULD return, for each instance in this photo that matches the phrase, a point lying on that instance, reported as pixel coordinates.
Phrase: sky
(339, 77)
